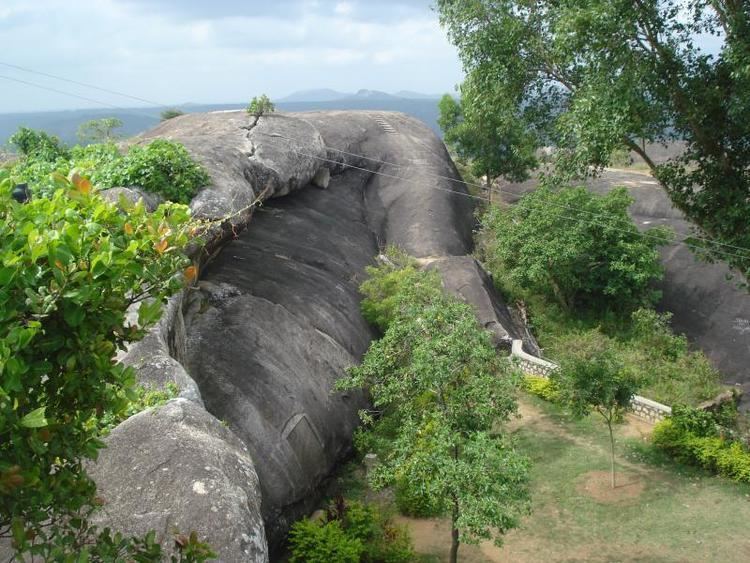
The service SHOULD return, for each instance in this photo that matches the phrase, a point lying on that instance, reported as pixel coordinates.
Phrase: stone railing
(641, 406)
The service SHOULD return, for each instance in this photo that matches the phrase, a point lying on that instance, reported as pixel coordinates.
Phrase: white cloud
(154, 55)
(343, 8)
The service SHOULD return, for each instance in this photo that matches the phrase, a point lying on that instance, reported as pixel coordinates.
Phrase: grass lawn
(659, 512)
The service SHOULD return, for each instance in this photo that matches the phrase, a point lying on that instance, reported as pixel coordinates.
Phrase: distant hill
(65, 124)
(319, 95)
(328, 95)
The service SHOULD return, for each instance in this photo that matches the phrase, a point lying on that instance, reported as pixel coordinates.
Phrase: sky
(218, 51)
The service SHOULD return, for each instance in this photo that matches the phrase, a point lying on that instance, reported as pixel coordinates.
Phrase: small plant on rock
(260, 105)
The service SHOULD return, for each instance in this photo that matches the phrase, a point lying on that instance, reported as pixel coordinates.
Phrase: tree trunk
(454, 537)
(489, 188)
(612, 448)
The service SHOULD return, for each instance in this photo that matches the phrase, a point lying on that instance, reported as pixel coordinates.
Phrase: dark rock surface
(279, 324)
(280, 318)
(175, 468)
(464, 277)
(234, 148)
(275, 320)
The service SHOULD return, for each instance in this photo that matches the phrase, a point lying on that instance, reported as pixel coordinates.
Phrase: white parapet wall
(641, 406)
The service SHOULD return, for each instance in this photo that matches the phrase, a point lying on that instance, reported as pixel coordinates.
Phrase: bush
(542, 387)
(388, 282)
(70, 266)
(162, 167)
(260, 105)
(351, 528)
(323, 542)
(168, 114)
(549, 243)
(695, 437)
(38, 145)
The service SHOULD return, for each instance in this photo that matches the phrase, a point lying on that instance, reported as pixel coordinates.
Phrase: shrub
(70, 266)
(260, 105)
(542, 387)
(351, 527)
(168, 114)
(323, 542)
(396, 275)
(163, 167)
(694, 437)
(38, 145)
(549, 243)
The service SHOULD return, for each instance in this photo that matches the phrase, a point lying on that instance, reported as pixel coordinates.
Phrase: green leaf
(34, 419)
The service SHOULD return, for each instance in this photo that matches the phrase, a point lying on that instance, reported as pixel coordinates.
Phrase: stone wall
(641, 407)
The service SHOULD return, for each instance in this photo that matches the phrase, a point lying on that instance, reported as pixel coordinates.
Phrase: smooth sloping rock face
(176, 468)
(279, 325)
(414, 200)
(276, 321)
(465, 278)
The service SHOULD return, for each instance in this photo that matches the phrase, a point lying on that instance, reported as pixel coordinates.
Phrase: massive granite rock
(275, 319)
(175, 468)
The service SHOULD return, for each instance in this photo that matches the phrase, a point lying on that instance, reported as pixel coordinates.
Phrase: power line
(684, 241)
(507, 190)
(84, 84)
(130, 111)
(414, 181)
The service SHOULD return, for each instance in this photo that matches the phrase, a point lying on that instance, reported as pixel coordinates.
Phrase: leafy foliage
(99, 130)
(592, 77)
(436, 370)
(494, 144)
(70, 266)
(596, 381)
(387, 282)
(542, 387)
(163, 167)
(701, 438)
(576, 247)
(313, 542)
(168, 114)
(260, 105)
(38, 145)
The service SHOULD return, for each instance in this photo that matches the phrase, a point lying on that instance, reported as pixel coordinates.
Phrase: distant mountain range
(65, 124)
(328, 95)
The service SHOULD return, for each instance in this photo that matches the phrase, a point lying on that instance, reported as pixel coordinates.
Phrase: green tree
(579, 248)
(596, 76)
(596, 380)
(260, 105)
(436, 370)
(70, 266)
(38, 145)
(168, 114)
(99, 130)
(494, 144)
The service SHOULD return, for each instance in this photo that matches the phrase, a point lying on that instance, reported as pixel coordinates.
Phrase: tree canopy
(437, 372)
(594, 76)
(578, 248)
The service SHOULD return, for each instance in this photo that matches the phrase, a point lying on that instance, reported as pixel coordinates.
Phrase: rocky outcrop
(175, 469)
(275, 318)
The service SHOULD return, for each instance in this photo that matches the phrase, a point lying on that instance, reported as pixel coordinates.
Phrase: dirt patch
(598, 485)
(635, 427)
